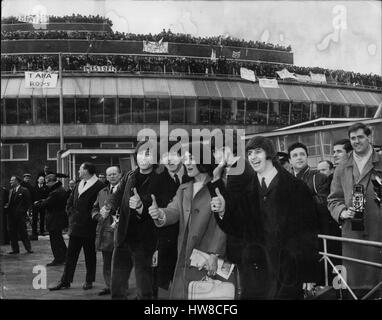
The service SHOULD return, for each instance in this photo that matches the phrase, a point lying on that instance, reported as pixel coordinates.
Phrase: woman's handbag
(211, 289)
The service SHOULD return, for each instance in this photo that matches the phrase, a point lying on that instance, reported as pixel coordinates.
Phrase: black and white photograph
(193, 151)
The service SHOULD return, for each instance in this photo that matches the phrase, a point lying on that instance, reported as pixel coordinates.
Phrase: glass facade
(176, 111)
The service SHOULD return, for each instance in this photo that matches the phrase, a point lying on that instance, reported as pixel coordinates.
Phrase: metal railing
(326, 256)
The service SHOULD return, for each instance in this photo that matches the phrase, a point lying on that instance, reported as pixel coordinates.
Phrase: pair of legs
(38, 214)
(58, 245)
(17, 228)
(122, 263)
(74, 248)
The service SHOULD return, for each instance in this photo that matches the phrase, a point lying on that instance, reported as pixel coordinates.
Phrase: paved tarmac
(18, 280)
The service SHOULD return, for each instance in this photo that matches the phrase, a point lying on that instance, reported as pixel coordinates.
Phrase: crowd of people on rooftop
(74, 18)
(179, 66)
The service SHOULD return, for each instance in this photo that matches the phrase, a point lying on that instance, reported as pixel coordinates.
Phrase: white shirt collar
(115, 187)
(89, 184)
(17, 188)
(180, 174)
(268, 175)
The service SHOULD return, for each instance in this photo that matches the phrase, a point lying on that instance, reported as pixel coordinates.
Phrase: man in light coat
(105, 229)
(361, 167)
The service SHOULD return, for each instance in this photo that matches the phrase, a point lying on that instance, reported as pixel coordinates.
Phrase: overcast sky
(332, 34)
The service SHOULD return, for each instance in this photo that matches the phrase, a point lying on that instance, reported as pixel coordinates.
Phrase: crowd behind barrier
(167, 36)
(178, 65)
(74, 18)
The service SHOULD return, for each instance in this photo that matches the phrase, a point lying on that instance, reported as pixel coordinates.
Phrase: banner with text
(155, 47)
(285, 74)
(317, 77)
(40, 79)
(268, 83)
(91, 68)
(247, 74)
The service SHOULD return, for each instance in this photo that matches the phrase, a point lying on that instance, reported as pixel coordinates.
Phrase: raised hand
(218, 203)
(154, 211)
(135, 201)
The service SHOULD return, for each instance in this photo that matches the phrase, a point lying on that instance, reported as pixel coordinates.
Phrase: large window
(370, 112)
(40, 109)
(177, 111)
(25, 111)
(190, 111)
(215, 114)
(11, 111)
(227, 113)
(356, 112)
(151, 111)
(53, 148)
(322, 111)
(256, 112)
(53, 110)
(96, 110)
(110, 110)
(284, 113)
(300, 113)
(338, 111)
(164, 110)
(15, 152)
(69, 110)
(82, 110)
(137, 110)
(124, 111)
(204, 108)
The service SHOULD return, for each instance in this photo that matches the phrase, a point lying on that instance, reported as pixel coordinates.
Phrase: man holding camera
(353, 203)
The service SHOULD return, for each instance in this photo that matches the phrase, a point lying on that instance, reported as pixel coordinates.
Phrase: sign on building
(155, 47)
(268, 83)
(247, 74)
(40, 79)
(91, 68)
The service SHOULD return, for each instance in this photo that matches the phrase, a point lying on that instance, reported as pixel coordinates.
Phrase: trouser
(74, 249)
(121, 266)
(107, 257)
(58, 245)
(17, 228)
(142, 259)
(38, 214)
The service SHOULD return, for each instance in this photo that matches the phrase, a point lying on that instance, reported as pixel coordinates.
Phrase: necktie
(176, 179)
(263, 185)
(112, 190)
(84, 184)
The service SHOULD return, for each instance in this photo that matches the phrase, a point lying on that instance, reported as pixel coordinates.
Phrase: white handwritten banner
(91, 68)
(268, 83)
(285, 74)
(40, 79)
(247, 74)
(155, 47)
(317, 77)
(302, 78)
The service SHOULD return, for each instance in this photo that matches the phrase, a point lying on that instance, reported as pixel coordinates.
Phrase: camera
(358, 203)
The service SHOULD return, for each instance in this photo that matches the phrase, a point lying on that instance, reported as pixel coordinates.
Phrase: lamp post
(61, 103)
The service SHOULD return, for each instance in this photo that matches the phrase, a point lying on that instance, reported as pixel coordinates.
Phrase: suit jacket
(104, 232)
(19, 202)
(296, 219)
(340, 198)
(55, 203)
(168, 236)
(40, 193)
(120, 200)
(79, 208)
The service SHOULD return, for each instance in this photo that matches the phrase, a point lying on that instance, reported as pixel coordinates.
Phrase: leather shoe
(59, 286)
(87, 285)
(29, 251)
(13, 252)
(104, 292)
(33, 237)
(55, 263)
